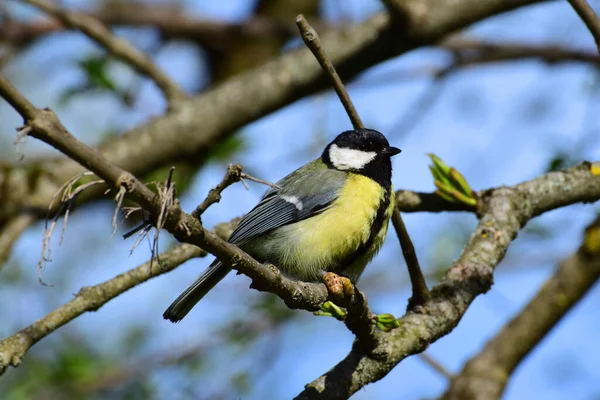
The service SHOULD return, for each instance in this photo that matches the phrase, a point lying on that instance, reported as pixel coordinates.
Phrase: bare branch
(409, 201)
(589, 17)
(172, 21)
(18, 102)
(67, 194)
(420, 292)
(244, 175)
(360, 318)
(118, 47)
(13, 348)
(504, 211)
(234, 174)
(263, 90)
(10, 231)
(46, 127)
(472, 51)
(485, 376)
(312, 41)
(435, 365)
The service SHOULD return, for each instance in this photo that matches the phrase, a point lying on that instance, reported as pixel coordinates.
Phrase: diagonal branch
(503, 212)
(313, 42)
(420, 291)
(13, 348)
(10, 231)
(45, 126)
(589, 17)
(118, 47)
(485, 376)
(360, 317)
(234, 174)
(222, 110)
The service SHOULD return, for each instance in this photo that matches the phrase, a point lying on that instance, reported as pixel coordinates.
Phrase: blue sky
(498, 125)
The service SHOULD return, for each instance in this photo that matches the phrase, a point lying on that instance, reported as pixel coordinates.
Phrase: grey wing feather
(321, 187)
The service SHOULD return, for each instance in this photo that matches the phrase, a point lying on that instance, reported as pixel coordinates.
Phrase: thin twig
(589, 17)
(67, 194)
(420, 292)
(118, 47)
(359, 317)
(366, 333)
(119, 200)
(258, 180)
(166, 193)
(435, 365)
(257, 93)
(142, 233)
(312, 41)
(233, 174)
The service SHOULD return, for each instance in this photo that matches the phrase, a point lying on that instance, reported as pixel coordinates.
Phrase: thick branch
(99, 33)
(485, 376)
(46, 127)
(227, 107)
(504, 211)
(172, 21)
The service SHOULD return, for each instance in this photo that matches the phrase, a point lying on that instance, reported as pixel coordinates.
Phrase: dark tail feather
(193, 294)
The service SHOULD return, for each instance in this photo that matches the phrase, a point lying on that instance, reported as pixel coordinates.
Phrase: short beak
(391, 151)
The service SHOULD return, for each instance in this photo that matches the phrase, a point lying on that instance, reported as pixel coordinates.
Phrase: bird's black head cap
(363, 151)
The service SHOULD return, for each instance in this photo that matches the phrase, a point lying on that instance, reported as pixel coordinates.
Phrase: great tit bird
(330, 215)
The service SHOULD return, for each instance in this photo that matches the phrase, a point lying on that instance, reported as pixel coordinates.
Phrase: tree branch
(360, 318)
(10, 231)
(409, 201)
(118, 47)
(312, 41)
(504, 211)
(171, 20)
(13, 348)
(45, 126)
(276, 84)
(234, 173)
(473, 51)
(420, 292)
(589, 17)
(485, 376)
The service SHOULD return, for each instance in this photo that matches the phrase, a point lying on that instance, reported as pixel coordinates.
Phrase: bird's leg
(338, 286)
(341, 290)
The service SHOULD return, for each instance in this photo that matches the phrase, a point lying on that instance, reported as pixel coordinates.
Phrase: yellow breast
(340, 230)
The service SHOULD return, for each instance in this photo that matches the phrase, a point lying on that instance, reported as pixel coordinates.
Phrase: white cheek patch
(343, 158)
(294, 200)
